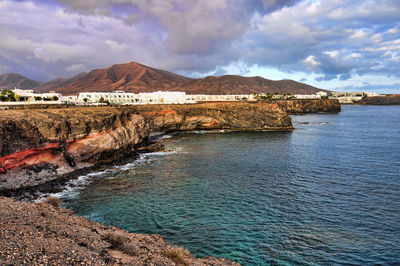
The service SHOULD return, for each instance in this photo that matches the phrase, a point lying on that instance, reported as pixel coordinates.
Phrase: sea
(327, 193)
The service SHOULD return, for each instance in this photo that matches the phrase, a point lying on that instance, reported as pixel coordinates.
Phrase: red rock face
(70, 140)
(47, 153)
(79, 149)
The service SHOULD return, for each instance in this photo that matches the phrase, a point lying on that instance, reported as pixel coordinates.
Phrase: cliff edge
(236, 116)
(393, 99)
(39, 146)
(40, 149)
(303, 106)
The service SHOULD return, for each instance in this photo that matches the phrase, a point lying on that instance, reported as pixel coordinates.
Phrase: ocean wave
(167, 152)
(164, 137)
(72, 187)
(312, 123)
(208, 131)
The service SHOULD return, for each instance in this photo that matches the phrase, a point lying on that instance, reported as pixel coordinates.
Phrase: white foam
(165, 137)
(162, 153)
(126, 166)
(73, 187)
(312, 123)
(219, 131)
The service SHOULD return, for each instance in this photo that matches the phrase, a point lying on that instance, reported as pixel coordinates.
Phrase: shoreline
(43, 233)
(128, 133)
(31, 193)
(48, 168)
(53, 146)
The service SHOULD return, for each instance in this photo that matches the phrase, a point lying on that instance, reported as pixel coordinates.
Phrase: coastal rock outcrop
(37, 146)
(302, 106)
(223, 116)
(46, 147)
(393, 99)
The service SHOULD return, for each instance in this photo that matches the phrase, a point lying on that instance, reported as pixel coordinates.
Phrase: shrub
(8, 95)
(54, 201)
(117, 239)
(130, 249)
(179, 255)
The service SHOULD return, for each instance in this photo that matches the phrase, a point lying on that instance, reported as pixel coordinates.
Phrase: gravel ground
(41, 234)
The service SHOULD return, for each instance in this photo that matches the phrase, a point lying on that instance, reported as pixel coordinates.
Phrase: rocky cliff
(37, 146)
(393, 99)
(42, 146)
(300, 106)
(226, 116)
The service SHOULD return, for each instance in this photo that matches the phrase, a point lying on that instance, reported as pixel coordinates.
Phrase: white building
(307, 96)
(163, 97)
(127, 98)
(30, 96)
(322, 93)
(71, 99)
(116, 97)
(219, 98)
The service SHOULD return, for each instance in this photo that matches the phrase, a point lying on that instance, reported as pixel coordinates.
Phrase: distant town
(18, 96)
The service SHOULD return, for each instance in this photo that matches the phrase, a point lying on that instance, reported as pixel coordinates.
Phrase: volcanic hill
(135, 77)
(11, 80)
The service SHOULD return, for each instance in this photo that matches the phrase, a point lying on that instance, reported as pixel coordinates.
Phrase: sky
(341, 45)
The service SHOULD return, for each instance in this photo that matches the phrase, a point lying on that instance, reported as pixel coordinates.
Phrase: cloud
(379, 88)
(326, 77)
(345, 76)
(332, 39)
(4, 68)
(75, 68)
(311, 62)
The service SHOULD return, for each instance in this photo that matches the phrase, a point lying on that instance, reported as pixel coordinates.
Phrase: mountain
(11, 80)
(130, 77)
(58, 83)
(135, 77)
(230, 84)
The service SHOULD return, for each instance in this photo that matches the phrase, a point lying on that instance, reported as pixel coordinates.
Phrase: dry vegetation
(179, 255)
(54, 201)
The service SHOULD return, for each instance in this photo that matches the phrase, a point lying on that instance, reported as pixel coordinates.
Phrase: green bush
(8, 96)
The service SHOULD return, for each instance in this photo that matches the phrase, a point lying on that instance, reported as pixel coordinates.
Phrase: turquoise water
(327, 193)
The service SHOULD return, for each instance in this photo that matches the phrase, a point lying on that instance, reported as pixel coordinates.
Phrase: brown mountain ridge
(135, 77)
(11, 80)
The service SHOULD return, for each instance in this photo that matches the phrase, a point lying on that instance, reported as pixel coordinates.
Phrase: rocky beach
(43, 234)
